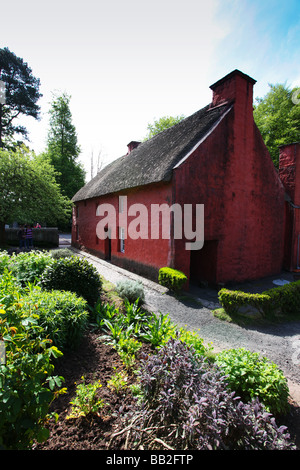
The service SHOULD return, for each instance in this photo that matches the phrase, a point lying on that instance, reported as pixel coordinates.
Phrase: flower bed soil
(95, 361)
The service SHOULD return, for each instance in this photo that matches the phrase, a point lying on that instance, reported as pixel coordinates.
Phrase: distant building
(216, 158)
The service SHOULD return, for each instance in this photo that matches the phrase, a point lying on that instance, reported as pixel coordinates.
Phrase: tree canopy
(29, 191)
(277, 116)
(161, 124)
(62, 148)
(21, 95)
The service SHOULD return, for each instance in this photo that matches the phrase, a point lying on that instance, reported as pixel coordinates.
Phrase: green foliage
(29, 191)
(185, 403)
(127, 348)
(131, 290)
(62, 315)
(63, 149)
(173, 279)
(231, 301)
(61, 253)
(277, 118)
(251, 376)
(193, 340)
(29, 266)
(86, 401)
(158, 330)
(76, 275)
(283, 299)
(21, 95)
(118, 381)
(27, 383)
(4, 261)
(161, 124)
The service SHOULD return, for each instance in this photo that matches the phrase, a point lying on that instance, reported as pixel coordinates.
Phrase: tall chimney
(132, 145)
(236, 86)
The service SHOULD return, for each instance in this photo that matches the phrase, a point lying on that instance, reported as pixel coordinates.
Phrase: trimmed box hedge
(278, 300)
(171, 278)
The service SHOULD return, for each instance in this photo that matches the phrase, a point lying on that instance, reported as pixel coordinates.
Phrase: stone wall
(43, 237)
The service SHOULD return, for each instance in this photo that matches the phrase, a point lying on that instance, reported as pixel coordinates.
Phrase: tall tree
(20, 97)
(63, 149)
(29, 191)
(161, 124)
(277, 116)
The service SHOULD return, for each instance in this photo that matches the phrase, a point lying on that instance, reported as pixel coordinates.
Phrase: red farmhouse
(215, 159)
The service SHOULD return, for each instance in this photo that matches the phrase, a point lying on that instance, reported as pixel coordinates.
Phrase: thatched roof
(154, 160)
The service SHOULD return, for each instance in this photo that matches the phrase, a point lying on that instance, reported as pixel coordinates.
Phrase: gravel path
(279, 343)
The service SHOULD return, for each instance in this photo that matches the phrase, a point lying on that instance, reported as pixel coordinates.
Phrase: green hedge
(284, 299)
(73, 274)
(171, 278)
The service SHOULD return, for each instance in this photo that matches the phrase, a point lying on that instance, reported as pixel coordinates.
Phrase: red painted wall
(289, 172)
(233, 176)
(143, 256)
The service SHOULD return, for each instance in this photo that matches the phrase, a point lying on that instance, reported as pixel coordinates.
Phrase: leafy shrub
(231, 301)
(62, 315)
(284, 299)
(192, 339)
(28, 267)
(61, 253)
(173, 279)
(187, 404)
(131, 290)
(76, 275)
(250, 376)
(27, 386)
(4, 261)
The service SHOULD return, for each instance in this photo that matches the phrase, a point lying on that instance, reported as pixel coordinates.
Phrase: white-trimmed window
(122, 239)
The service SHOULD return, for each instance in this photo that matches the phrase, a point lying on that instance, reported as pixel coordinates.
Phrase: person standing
(29, 237)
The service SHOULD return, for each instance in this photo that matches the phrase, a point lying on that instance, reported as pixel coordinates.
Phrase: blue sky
(126, 63)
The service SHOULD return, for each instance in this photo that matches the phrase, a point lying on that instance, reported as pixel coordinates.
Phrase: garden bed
(96, 361)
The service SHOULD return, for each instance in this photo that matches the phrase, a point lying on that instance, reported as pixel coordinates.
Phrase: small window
(122, 240)
(121, 204)
(77, 211)
(77, 232)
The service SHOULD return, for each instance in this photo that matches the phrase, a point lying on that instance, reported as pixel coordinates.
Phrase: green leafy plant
(118, 381)
(158, 330)
(76, 275)
(127, 348)
(29, 266)
(251, 375)
(27, 381)
(173, 279)
(4, 260)
(131, 290)
(62, 315)
(103, 311)
(86, 401)
(192, 339)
